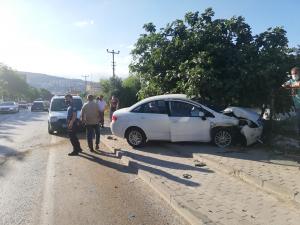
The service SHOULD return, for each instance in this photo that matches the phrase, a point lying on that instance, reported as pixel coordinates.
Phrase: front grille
(62, 121)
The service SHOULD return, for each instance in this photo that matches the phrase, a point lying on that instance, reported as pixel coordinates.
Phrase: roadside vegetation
(14, 87)
(218, 60)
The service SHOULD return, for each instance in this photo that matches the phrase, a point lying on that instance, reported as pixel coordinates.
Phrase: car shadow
(7, 153)
(10, 122)
(257, 152)
(135, 166)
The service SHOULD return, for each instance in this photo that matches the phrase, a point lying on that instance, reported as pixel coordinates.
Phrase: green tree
(111, 86)
(130, 88)
(216, 59)
(126, 90)
(45, 94)
(14, 87)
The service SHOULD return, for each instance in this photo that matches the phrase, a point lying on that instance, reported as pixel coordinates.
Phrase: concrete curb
(193, 218)
(267, 186)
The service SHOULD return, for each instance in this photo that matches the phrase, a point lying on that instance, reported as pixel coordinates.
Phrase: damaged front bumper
(252, 135)
(250, 123)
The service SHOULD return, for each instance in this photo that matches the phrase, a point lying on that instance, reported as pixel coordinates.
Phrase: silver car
(9, 107)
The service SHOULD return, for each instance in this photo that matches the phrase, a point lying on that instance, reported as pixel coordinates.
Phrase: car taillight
(114, 118)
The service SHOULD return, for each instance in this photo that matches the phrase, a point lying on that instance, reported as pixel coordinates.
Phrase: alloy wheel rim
(135, 137)
(223, 139)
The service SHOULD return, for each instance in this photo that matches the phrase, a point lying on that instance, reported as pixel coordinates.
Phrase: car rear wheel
(136, 137)
(223, 137)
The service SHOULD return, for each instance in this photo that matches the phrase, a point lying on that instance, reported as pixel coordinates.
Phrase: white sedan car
(176, 118)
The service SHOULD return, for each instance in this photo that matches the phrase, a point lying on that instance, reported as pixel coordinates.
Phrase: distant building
(93, 87)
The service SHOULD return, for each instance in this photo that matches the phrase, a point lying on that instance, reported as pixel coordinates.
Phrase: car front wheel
(50, 131)
(135, 137)
(222, 138)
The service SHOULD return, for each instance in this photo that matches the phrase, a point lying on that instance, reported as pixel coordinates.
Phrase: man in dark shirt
(72, 125)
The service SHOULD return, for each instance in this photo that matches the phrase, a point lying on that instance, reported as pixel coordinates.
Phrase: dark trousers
(90, 131)
(101, 118)
(74, 140)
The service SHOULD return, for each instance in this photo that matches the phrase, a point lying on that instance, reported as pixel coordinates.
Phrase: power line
(113, 62)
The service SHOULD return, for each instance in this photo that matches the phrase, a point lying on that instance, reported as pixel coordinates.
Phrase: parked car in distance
(9, 107)
(23, 105)
(39, 106)
(176, 118)
(57, 118)
(46, 105)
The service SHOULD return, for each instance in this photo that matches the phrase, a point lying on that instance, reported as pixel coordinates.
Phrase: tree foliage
(218, 60)
(14, 87)
(126, 90)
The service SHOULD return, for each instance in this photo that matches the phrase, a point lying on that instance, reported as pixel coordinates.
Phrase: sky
(69, 38)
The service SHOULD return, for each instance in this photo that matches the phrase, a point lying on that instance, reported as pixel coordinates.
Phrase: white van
(57, 118)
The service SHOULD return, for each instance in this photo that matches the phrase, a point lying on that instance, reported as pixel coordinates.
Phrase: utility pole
(85, 76)
(113, 62)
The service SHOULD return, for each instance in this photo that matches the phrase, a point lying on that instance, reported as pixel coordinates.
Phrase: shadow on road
(253, 153)
(134, 167)
(10, 122)
(188, 149)
(5, 154)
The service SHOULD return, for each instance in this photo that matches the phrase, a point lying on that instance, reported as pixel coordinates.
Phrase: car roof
(168, 96)
(63, 97)
(161, 97)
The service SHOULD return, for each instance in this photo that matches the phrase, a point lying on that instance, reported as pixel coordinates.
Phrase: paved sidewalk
(203, 195)
(271, 173)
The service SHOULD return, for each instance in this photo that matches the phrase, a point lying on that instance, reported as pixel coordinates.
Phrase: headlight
(53, 119)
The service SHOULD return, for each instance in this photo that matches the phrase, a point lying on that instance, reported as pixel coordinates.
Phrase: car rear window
(38, 104)
(60, 105)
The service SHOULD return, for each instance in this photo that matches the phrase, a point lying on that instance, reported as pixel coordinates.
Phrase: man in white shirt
(102, 105)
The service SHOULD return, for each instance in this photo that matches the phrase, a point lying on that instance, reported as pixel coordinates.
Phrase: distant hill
(54, 84)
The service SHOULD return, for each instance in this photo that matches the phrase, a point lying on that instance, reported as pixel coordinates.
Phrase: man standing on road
(72, 125)
(90, 116)
(294, 85)
(102, 105)
(114, 105)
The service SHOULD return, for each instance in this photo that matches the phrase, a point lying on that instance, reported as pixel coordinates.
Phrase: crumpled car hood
(243, 113)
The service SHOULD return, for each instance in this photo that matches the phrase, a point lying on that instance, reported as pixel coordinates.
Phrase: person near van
(114, 105)
(72, 125)
(102, 104)
(90, 116)
(294, 85)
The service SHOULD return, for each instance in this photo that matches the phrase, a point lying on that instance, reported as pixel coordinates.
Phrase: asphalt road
(40, 184)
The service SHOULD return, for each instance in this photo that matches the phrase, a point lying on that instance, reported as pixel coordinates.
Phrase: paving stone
(210, 196)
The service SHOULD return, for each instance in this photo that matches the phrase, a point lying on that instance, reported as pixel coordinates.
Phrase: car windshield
(210, 105)
(38, 104)
(7, 104)
(60, 105)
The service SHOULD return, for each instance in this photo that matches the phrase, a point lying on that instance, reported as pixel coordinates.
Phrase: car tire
(222, 137)
(135, 137)
(50, 131)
